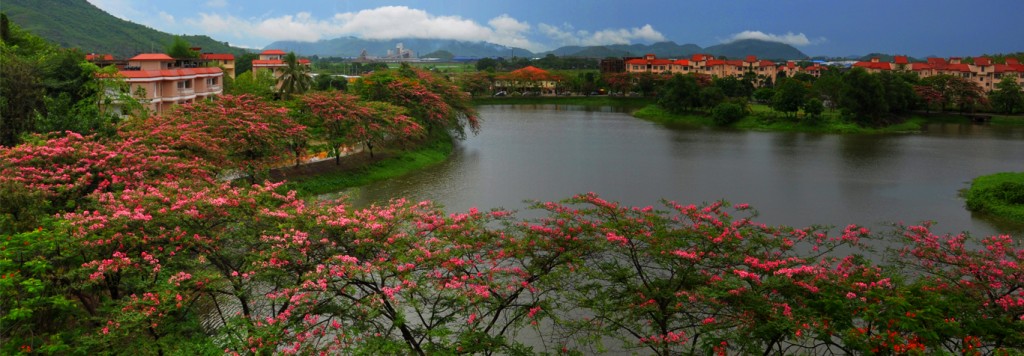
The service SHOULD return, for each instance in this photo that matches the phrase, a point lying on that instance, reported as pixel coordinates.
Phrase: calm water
(548, 152)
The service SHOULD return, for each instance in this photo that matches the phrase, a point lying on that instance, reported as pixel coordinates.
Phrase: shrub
(726, 114)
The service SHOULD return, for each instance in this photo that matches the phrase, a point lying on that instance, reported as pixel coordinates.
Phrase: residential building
(224, 60)
(528, 80)
(707, 65)
(159, 82)
(981, 71)
(273, 60)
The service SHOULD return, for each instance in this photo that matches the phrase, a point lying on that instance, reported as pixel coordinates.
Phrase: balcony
(186, 91)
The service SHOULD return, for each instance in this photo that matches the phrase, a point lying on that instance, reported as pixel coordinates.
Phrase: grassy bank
(631, 103)
(763, 118)
(326, 177)
(1000, 195)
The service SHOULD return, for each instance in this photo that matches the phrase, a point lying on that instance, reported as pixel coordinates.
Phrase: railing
(186, 91)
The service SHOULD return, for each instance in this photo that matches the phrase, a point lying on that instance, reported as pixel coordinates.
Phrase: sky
(917, 28)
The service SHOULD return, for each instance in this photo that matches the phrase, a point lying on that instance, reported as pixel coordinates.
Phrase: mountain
(352, 47)
(660, 49)
(735, 49)
(762, 49)
(79, 24)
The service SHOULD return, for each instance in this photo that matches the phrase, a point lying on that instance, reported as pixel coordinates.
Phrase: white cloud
(798, 39)
(380, 23)
(166, 18)
(566, 35)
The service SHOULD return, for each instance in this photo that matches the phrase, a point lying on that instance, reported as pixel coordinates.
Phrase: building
(707, 65)
(160, 82)
(224, 60)
(273, 60)
(528, 80)
(981, 71)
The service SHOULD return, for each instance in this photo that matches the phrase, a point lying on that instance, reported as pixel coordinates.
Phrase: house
(159, 82)
(273, 60)
(224, 60)
(529, 79)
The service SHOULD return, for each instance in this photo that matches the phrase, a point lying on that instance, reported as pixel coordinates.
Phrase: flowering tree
(241, 133)
(436, 103)
(347, 120)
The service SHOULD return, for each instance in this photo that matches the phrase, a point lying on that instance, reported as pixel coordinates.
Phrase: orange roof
(920, 66)
(219, 56)
(303, 61)
(168, 72)
(960, 67)
(934, 61)
(901, 60)
(874, 65)
(99, 57)
(767, 63)
(751, 59)
(715, 62)
(1011, 60)
(982, 61)
(151, 57)
(273, 51)
(681, 62)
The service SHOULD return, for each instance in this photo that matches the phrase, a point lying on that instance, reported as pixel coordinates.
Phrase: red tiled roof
(303, 61)
(681, 62)
(100, 57)
(959, 67)
(168, 72)
(873, 65)
(934, 61)
(642, 61)
(982, 61)
(751, 59)
(701, 57)
(151, 57)
(1011, 60)
(714, 62)
(901, 60)
(767, 63)
(920, 66)
(219, 56)
(273, 51)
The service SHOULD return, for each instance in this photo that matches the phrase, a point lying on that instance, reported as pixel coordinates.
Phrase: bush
(726, 114)
(1000, 194)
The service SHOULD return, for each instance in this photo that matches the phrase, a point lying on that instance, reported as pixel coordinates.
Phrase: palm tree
(295, 78)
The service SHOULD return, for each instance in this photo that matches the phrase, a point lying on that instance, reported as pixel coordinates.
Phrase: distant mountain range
(352, 47)
(79, 24)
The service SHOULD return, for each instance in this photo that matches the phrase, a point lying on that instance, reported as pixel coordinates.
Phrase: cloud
(167, 18)
(566, 35)
(217, 3)
(798, 39)
(385, 22)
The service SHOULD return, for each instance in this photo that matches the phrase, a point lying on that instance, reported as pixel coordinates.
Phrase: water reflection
(551, 152)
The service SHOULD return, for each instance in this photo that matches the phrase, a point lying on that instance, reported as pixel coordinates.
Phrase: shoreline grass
(629, 103)
(392, 163)
(1000, 195)
(763, 119)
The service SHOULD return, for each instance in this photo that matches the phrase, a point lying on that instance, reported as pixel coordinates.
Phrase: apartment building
(159, 82)
(708, 65)
(224, 60)
(982, 71)
(273, 60)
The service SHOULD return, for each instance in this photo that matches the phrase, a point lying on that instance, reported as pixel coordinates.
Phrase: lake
(551, 152)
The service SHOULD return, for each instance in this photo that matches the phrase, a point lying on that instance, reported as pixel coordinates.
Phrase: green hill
(762, 49)
(79, 24)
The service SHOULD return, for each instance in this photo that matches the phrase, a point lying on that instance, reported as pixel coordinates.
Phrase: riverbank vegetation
(1000, 195)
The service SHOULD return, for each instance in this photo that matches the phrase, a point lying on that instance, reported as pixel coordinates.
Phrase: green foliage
(329, 82)
(680, 94)
(727, 113)
(789, 96)
(1000, 194)
(179, 48)
(295, 77)
(863, 98)
(79, 24)
(260, 84)
(764, 95)
(1007, 98)
(813, 109)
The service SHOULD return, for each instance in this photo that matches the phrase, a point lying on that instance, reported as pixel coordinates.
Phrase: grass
(1000, 195)
(390, 164)
(763, 118)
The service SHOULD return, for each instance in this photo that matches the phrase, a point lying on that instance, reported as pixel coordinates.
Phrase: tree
(330, 82)
(789, 96)
(1007, 97)
(239, 134)
(478, 83)
(813, 109)
(764, 95)
(258, 84)
(680, 94)
(829, 86)
(899, 91)
(486, 64)
(436, 104)
(863, 98)
(21, 96)
(180, 48)
(295, 77)
(347, 121)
